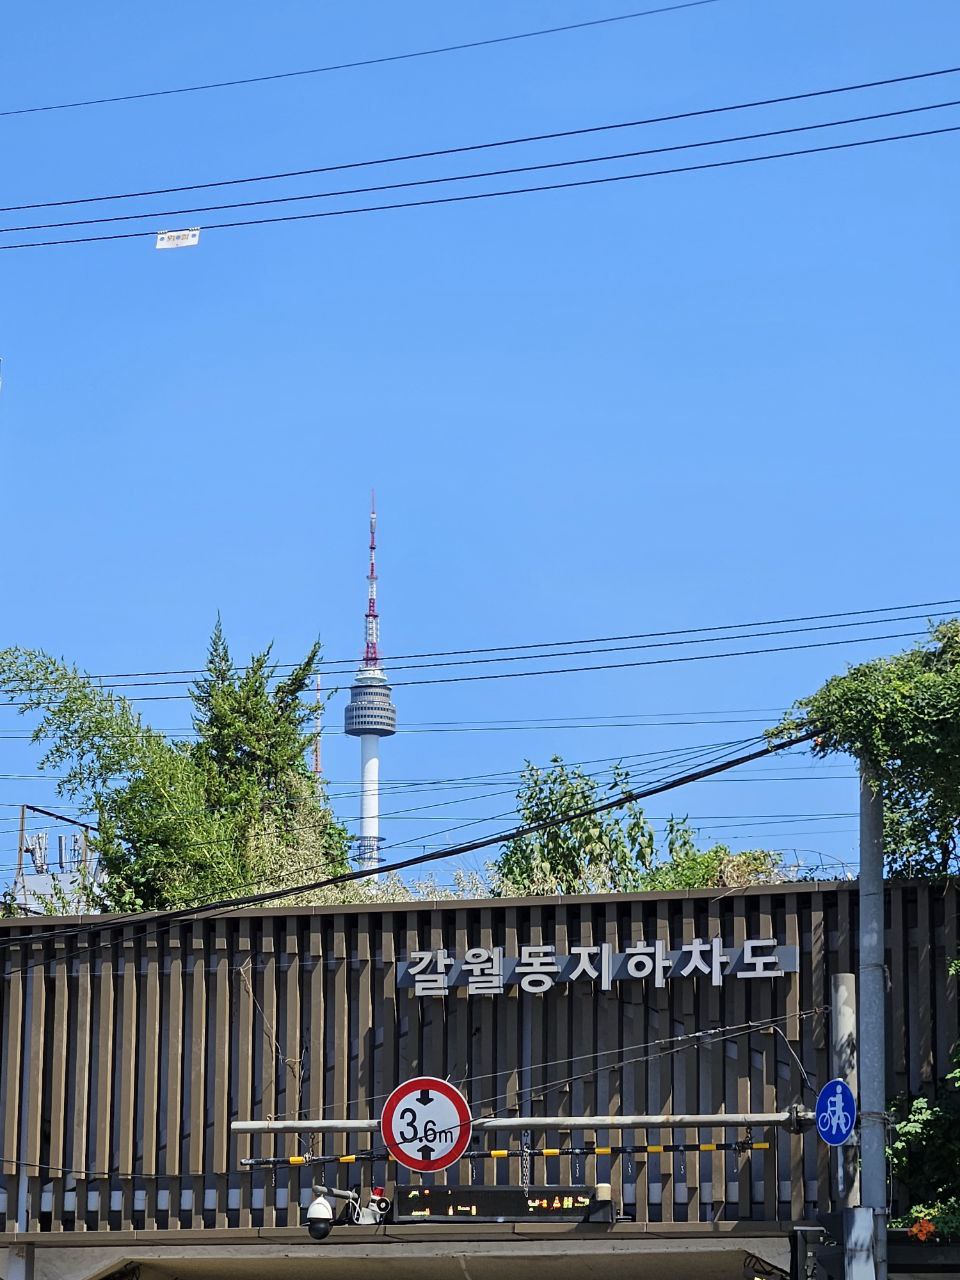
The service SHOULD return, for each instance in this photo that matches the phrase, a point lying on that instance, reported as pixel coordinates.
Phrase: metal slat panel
(456, 1049)
(610, 1050)
(246, 1103)
(949, 1012)
(665, 1100)
(266, 1051)
(106, 1045)
(218, 1153)
(174, 1073)
(583, 1000)
(80, 1063)
(150, 1067)
(486, 1085)
(686, 1066)
(508, 1039)
(557, 1070)
(127, 1075)
(743, 1045)
(33, 1094)
(385, 1076)
(12, 1057)
(57, 1055)
(713, 1057)
(196, 1150)
(768, 1043)
(924, 980)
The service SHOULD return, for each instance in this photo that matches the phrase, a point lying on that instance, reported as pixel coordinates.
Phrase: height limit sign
(426, 1124)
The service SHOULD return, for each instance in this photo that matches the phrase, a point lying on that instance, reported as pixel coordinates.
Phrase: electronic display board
(491, 1204)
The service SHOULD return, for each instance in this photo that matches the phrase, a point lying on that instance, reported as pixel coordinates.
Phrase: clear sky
(705, 398)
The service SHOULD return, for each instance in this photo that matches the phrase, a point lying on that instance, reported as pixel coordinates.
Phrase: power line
(554, 671)
(325, 663)
(603, 666)
(486, 146)
(581, 651)
(494, 195)
(166, 919)
(357, 63)
(477, 175)
(656, 662)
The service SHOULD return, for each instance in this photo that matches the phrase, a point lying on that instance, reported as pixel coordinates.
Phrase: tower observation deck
(370, 715)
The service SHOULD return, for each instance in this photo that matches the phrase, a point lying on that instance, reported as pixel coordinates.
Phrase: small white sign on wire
(178, 239)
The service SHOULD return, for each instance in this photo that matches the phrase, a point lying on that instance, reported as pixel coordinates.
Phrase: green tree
(183, 822)
(612, 852)
(598, 853)
(901, 716)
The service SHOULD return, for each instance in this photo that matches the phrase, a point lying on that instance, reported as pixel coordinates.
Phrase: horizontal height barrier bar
(277, 1162)
(796, 1116)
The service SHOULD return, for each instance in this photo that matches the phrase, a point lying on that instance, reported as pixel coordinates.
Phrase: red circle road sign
(426, 1124)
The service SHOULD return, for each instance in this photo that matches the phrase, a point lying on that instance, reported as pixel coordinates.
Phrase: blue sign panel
(836, 1113)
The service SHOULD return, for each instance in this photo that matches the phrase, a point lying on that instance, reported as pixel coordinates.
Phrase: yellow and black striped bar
(505, 1153)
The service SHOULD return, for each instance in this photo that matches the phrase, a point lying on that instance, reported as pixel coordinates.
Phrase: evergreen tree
(187, 822)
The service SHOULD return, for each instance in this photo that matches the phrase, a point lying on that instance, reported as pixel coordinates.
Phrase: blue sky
(697, 399)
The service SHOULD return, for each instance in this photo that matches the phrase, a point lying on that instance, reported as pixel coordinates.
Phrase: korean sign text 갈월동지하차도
(487, 971)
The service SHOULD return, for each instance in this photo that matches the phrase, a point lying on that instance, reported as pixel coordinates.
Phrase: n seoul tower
(370, 715)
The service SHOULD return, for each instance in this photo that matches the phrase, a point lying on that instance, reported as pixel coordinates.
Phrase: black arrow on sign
(424, 1097)
(426, 1153)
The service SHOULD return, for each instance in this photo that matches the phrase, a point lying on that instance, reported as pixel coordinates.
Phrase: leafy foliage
(901, 716)
(684, 866)
(592, 854)
(180, 822)
(940, 1218)
(924, 1151)
(606, 853)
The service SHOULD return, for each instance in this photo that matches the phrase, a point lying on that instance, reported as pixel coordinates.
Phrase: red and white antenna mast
(371, 654)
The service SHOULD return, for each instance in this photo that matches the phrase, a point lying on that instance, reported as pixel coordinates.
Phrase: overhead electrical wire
(603, 666)
(165, 919)
(322, 663)
(464, 149)
(655, 762)
(504, 192)
(477, 175)
(507, 675)
(702, 757)
(357, 63)
(395, 665)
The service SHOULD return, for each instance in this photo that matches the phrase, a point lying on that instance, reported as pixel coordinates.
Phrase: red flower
(922, 1230)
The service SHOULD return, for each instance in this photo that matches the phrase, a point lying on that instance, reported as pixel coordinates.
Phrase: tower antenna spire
(371, 655)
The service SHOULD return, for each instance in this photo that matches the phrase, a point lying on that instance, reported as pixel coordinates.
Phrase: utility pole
(872, 1056)
(843, 1066)
(856, 1233)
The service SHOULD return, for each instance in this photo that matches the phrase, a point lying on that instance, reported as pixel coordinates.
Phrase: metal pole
(873, 1159)
(843, 1066)
(795, 1117)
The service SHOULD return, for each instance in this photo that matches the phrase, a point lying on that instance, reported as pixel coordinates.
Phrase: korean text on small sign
(487, 971)
(178, 239)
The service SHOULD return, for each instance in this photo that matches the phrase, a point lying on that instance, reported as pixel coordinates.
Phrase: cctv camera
(320, 1218)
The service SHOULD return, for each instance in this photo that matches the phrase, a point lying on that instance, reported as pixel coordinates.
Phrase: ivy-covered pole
(872, 1064)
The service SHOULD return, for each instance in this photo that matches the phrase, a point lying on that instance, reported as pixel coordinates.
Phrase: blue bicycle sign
(836, 1113)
